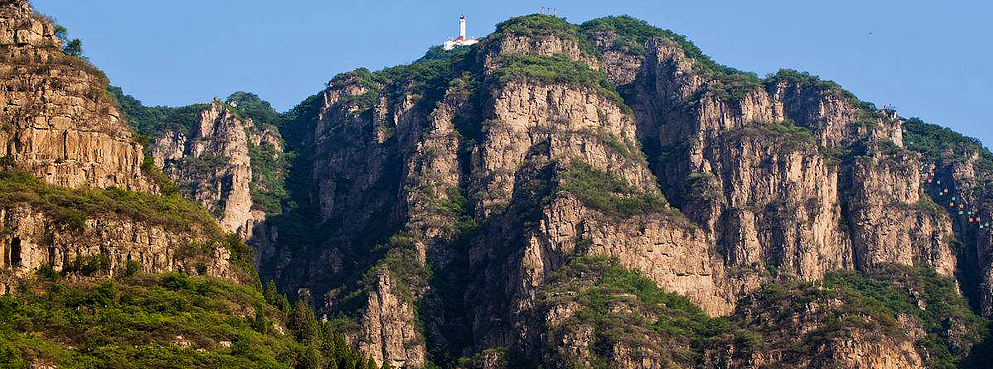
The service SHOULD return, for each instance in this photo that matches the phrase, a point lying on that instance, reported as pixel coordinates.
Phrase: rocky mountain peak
(559, 195)
(549, 142)
(61, 124)
(212, 162)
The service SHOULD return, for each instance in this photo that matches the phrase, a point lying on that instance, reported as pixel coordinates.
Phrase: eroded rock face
(810, 329)
(59, 122)
(62, 126)
(789, 180)
(211, 164)
(775, 197)
(389, 327)
(33, 239)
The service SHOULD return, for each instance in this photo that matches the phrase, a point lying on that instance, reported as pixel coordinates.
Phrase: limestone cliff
(78, 196)
(59, 122)
(211, 163)
(557, 195)
(475, 175)
(109, 245)
(834, 327)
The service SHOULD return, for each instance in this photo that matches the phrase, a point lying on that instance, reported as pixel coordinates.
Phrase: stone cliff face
(33, 239)
(805, 317)
(59, 122)
(451, 199)
(94, 209)
(835, 191)
(557, 195)
(211, 164)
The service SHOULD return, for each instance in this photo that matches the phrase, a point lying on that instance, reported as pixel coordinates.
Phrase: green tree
(270, 293)
(260, 323)
(303, 323)
(74, 48)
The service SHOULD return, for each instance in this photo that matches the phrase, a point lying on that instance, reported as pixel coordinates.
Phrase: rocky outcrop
(107, 245)
(389, 327)
(776, 170)
(707, 181)
(811, 328)
(62, 126)
(211, 164)
(59, 121)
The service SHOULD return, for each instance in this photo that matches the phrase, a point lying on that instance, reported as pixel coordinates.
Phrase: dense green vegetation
(797, 319)
(155, 120)
(251, 106)
(807, 80)
(786, 133)
(934, 300)
(164, 321)
(403, 265)
(538, 25)
(943, 146)
(558, 69)
(727, 83)
(72, 206)
(607, 192)
(428, 77)
(632, 34)
(626, 308)
(268, 187)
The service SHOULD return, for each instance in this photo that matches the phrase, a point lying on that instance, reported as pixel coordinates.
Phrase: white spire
(462, 27)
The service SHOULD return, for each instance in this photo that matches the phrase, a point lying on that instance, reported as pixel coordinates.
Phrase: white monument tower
(463, 39)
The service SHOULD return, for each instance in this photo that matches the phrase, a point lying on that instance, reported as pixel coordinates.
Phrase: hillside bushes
(558, 69)
(607, 192)
(72, 206)
(624, 308)
(921, 293)
(160, 321)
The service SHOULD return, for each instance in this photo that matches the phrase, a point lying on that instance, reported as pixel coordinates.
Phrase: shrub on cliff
(72, 206)
(558, 69)
(944, 146)
(155, 120)
(538, 25)
(951, 327)
(624, 309)
(607, 192)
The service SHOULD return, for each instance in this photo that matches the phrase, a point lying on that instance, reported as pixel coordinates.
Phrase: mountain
(104, 263)
(455, 195)
(594, 195)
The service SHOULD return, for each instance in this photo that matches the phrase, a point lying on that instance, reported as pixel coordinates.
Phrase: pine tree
(260, 324)
(303, 323)
(270, 293)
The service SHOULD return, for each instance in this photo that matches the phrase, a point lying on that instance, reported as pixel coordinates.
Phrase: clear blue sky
(932, 59)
